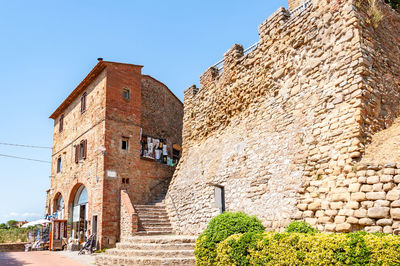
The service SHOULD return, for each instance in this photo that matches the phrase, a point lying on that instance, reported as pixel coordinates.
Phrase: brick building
(117, 130)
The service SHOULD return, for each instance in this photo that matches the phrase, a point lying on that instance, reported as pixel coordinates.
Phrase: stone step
(153, 232)
(108, 260)
(160, 239)
(155, 222)
(151, 253)
(152, 216)
(155, 228)
(154, 246)
(159, 213)
(152, 206)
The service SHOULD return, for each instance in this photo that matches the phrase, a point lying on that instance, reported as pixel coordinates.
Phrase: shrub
(309, 249)
(220, 228)
(13, 235)
(300, 227)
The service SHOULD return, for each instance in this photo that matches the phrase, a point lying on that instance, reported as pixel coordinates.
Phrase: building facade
(117, 130)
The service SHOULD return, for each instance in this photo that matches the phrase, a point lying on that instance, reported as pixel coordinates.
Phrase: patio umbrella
(37, 222)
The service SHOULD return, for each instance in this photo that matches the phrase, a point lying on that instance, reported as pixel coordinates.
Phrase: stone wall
(12, 247)
(366, 199)
(277, 123)
(129, 217)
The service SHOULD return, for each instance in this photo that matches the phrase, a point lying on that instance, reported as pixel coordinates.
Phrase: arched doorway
(80, 214)
(59, 206)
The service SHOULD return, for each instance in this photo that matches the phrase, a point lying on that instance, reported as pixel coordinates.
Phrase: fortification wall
(274, 119)
(366, 197)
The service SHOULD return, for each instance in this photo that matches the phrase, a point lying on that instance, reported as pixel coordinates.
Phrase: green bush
(220, 228)
(300, 227)
(309, 249)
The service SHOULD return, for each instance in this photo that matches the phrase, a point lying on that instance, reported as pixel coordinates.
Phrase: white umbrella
(37, 222)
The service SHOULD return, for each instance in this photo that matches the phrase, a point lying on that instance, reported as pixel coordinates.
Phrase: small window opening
(59, 164)
(125, 144)
(127, 181)
(123, 180)
(83, 103)
(61, 123)
(126, 94)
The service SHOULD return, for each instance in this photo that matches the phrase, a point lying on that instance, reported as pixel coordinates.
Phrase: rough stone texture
(108, 118)
(12, 247)
(283, 127)
(129, 222)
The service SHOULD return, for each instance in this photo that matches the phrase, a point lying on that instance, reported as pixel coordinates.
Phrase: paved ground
(45, 258)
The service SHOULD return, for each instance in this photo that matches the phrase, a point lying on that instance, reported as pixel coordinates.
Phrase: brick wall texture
(283, 127)
(109, 118)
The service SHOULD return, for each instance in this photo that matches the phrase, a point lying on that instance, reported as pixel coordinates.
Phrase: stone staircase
(154, 243)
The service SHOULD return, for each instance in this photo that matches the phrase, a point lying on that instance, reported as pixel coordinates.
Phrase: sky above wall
(48, 47)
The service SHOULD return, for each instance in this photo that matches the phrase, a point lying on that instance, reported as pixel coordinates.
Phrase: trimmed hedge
(274, 248)
(219, 229)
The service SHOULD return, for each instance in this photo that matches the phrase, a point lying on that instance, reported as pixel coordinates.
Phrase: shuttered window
(81, 151)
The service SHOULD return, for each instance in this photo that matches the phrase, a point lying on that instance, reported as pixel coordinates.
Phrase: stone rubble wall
(366, 199)
(364, 196)
(284, 114)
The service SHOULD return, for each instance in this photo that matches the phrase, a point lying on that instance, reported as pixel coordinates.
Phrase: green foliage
(300, 227)
(12, 223)
(393, 3)
(220, 228)
(14, 235)
(3, 226)
(309, 249)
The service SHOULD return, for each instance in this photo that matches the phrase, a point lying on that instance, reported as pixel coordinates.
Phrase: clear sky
(48, 47)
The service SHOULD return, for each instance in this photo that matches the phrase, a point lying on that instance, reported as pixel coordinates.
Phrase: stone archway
(79, 209)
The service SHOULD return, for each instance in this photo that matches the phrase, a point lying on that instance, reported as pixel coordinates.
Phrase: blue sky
(48, 47)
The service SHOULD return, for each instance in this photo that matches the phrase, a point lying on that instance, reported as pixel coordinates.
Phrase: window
(125, 144)
(125, 180)
(83, 103)
(59, 164)
(81, 151)
(61, 123)
(126, 94)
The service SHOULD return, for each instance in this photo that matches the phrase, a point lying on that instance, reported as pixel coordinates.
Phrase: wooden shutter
(84, 149)
(76, 153)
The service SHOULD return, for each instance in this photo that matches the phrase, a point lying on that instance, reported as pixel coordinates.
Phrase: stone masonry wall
(283, 127)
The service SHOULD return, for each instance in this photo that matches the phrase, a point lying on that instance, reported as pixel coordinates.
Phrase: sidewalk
(45, 258)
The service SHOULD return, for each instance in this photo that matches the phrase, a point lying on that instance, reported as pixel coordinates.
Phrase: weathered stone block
(378, 212)
(375, 195)
(393, 195)
(358, 196)
(366, 221)
(354, 187)
(383, 222)
(395, 213)
(343, 227)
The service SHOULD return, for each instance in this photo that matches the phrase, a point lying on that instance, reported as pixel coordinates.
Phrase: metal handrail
(300, 8)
